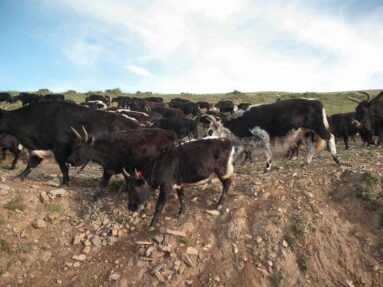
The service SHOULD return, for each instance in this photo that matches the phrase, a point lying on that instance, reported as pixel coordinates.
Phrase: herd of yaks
(141, 138)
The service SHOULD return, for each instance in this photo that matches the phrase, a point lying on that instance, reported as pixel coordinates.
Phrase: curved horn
(85, 134)
(366, 94)
(211, 118)
(76, 133)
(125, 172)
(352, 99)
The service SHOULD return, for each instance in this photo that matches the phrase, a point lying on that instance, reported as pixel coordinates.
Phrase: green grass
(55, 208)
(276, 278)
(5, 246)
(291, 241)
(303, 262)
(298, 229)
(297, 233)
(16, 203)
(370, 189)
(24, 248)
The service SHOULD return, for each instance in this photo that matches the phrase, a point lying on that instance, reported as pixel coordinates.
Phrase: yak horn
(125, 172)
(352, 99)
(211, 118)
(366, 94)
(76, 133)
(85, 134)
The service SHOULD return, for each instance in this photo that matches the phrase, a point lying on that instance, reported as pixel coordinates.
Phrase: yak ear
(90, 140)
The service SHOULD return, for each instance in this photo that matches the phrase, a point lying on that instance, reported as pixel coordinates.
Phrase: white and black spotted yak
(182, 166)
(286, 121)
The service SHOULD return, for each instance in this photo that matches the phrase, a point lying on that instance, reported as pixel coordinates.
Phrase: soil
(318, 225)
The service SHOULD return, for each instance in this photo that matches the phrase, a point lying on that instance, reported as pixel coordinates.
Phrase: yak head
(216, 127)
(82, 149)
(362, 111)
(138, 190)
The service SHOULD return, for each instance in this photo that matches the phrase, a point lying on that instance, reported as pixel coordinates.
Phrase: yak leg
(163, 196)
(33, 161)
(180, 194)
(310, 150)
(380, 136)
(345, 139)
(103, 183)
(3, 152)
(261, 136)
(226, 182)
(16, 155)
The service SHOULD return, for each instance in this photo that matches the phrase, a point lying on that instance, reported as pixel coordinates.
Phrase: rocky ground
(320, 225)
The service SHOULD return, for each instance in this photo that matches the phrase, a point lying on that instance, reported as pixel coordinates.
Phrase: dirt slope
(320, 225)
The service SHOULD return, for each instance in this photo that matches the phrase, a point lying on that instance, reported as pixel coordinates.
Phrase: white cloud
(82, 53)
(221, 45)
(139, 71)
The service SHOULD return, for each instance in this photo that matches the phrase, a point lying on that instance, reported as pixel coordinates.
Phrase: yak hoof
(151, 228)
(12, 167)
(219, 207)
(181, 215)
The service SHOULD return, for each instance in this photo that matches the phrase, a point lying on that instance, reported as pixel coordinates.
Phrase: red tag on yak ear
(138, 173)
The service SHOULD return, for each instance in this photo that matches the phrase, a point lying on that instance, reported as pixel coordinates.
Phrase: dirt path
(320, 225)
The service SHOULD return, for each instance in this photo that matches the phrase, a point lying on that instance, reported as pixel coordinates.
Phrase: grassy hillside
(335, 102)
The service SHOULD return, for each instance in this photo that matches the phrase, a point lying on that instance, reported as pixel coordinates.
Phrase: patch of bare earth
(320, 225)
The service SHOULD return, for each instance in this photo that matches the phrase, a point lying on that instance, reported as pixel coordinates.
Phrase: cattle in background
(225, 106)
(105, 99)
(28, 98)
(188, 107)
(284, 122)
(52, 98)
(116, 151)
(243, 106)
(9, 142)
(182, 127)
(6, 98)
(169, 112)
(95, 105)
(49, 133)
(154, 99)
(206, 121)
(344, 126)
(204, 105)
(182, 166)
(141, 117)
(122, 101)
(370, 113)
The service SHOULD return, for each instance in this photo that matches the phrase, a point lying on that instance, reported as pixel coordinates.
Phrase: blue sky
(191, 46)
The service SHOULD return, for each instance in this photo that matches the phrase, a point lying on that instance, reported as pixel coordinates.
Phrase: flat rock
(57, 192)
(80, 257)
(114, 276)
(159, 277)
(5, 187)
(185, 258)
(192, 251)
(174, 232)
(96, 241)
(39, 223)
(44, 197)
(213, 212)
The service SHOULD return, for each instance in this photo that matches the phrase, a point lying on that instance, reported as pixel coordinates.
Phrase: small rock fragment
(192, 251)
(80, 257)
(213, 212)
(185, 258)
(57, 192)
(39, 223)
